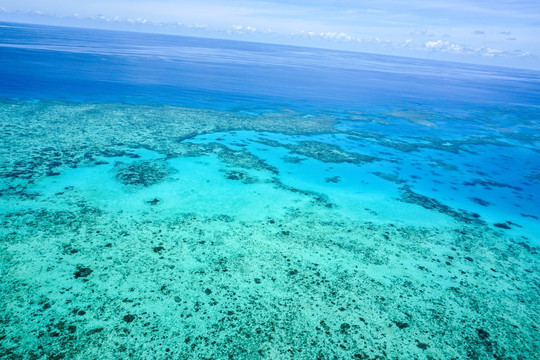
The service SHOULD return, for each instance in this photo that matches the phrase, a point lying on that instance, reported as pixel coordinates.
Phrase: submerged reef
(241, 176)
(142, 173)
(317, 286)
(442, 164)
(231, 157)
(455, 146)
(102, 127)
(318, 198)
(390, 177)
(424, 118)
(125, 233)
(491, 121)
(294, 159)
(480, 201)
(488, 184)
(463, 216)
(322, 151)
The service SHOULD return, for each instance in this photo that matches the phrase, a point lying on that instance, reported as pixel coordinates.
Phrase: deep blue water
(95, 65)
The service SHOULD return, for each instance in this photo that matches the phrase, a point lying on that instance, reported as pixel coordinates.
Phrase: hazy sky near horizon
(498, 32)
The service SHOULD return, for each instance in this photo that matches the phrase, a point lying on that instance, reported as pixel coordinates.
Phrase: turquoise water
(171, 198)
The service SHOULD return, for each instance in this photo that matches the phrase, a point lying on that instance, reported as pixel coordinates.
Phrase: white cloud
(129, 21)
(443, 46)
(329, 35)
(448, 47)
(241, 29)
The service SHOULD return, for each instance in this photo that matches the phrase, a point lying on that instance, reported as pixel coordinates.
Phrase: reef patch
(324, 152)
(142, 173)
(463, 216)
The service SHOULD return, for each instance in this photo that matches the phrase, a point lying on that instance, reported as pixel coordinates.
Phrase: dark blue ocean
(176, 197)
(97, 65)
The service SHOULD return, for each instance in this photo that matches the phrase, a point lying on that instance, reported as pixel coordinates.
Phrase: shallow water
(169, 197)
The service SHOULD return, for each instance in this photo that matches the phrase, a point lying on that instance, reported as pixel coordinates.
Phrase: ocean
(168, 197)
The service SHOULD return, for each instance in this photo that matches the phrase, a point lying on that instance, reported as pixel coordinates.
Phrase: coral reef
(322, 151)
(128, 234)
(141, 173)
(467, 217)
(193, 286)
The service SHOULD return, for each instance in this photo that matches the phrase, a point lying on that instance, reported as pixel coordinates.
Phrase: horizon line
(138, 31)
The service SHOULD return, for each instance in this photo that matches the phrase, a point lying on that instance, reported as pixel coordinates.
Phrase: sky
(495, 32)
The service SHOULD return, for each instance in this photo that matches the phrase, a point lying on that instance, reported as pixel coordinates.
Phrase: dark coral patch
(460, 215)
(82, 272)
(334, 179)
(482, 334)
(142, 173)
(401, 325)
(240, 176)
(480, 201)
